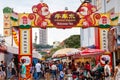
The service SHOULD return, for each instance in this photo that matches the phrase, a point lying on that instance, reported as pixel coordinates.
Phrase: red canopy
(89, 52)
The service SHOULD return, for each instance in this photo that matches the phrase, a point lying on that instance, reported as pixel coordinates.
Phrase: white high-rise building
(43, 36)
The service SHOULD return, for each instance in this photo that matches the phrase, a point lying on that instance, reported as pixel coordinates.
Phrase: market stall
(88, 54)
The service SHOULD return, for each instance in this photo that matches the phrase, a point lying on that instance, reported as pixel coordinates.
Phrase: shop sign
(25, 42)
(104, 39)
(64, 19)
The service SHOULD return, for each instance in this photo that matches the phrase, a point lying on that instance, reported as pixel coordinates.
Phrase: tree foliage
(39, 46)
(72, 42)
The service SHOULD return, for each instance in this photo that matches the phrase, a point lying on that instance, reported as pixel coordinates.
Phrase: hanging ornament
(25, 22)
(104, 22)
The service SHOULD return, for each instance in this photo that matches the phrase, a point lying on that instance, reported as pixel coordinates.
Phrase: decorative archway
(85, 17)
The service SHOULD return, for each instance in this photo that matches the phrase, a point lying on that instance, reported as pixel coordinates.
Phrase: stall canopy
(91, 52)
(65, 52)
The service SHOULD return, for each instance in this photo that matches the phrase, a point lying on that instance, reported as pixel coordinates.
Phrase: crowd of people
(11, 72)
(59, 70)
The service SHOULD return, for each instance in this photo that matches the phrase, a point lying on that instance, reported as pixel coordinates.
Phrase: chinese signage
(104, 39)
(25, 40)
(64, 19)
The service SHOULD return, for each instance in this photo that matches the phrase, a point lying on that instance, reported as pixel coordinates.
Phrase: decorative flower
(104, 22)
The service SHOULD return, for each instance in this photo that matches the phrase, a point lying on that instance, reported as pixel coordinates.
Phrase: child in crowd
(62, 74)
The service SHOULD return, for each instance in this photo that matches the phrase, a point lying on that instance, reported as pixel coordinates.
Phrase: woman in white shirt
(54, 71)
(107, 70)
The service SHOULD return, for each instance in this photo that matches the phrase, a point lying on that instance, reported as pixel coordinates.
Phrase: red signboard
(64, 19)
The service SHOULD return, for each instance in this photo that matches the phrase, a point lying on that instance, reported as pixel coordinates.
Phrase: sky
(21, 6)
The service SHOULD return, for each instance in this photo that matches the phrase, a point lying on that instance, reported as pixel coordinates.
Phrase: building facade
(43, 36)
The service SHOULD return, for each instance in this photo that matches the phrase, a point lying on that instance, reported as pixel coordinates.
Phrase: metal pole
(114, 59)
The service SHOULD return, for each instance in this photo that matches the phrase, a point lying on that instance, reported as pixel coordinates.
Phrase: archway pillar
(25, 44)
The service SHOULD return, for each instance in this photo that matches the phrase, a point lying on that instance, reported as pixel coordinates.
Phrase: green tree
(39, 46)
(72, 42)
